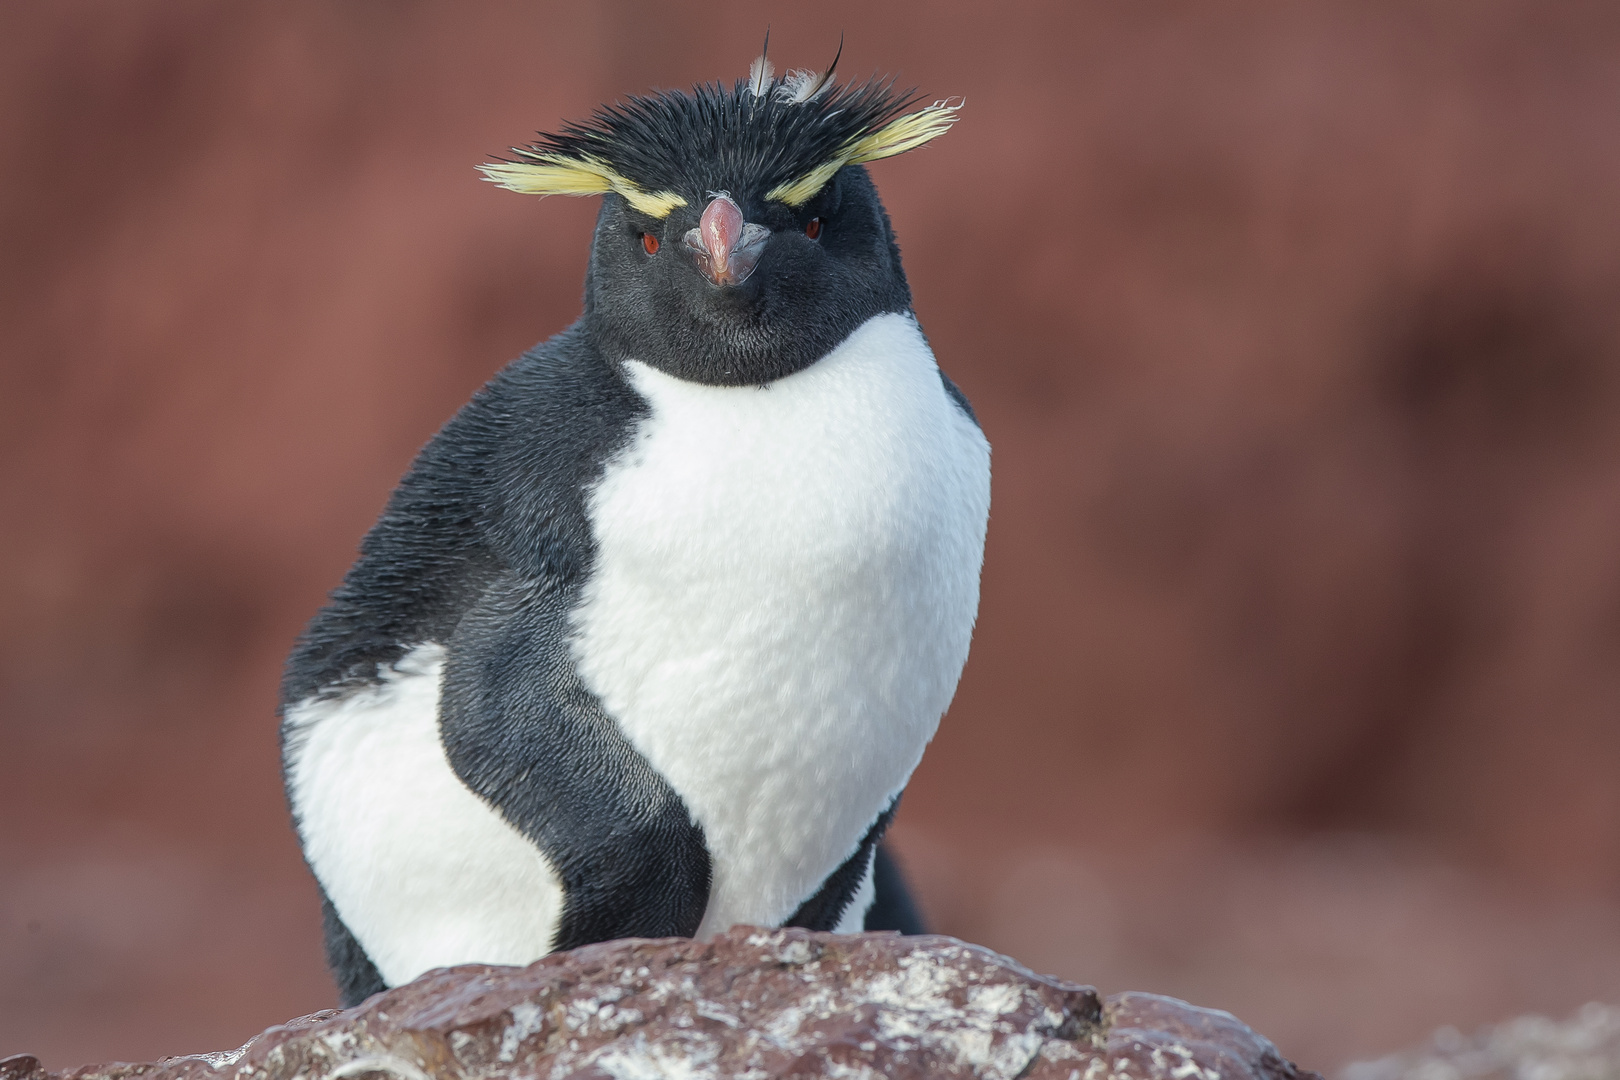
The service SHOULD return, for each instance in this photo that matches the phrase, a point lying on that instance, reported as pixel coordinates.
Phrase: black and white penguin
(654, 631)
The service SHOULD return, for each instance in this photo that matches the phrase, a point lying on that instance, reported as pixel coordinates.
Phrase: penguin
(653, 632)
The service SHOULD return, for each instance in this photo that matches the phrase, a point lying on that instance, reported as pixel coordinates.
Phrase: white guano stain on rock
(637, 1059)
(388, 1064)
(219, 1059)
(1188, 1067)
(526, 1020)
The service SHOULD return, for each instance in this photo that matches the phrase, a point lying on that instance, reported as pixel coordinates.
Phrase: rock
(749, 1003)
(1586, 1047)
(21, 1067)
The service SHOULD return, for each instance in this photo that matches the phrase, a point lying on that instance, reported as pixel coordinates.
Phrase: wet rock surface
(750, 1003)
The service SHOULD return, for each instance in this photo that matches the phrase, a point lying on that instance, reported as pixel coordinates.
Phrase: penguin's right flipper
(523, 732)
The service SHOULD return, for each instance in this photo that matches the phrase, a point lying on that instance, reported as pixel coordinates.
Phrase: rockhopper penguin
(654, 631)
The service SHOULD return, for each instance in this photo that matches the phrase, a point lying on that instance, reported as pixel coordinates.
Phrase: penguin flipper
(523, 732)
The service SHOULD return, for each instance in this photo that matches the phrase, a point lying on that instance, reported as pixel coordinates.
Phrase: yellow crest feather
(558, 174)
(896, 137)
(800, 191)
(906, 132)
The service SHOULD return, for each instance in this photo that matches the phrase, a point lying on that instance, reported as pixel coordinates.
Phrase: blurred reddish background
(1294, 328)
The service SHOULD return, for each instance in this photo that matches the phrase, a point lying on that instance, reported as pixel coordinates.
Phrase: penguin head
(740, 237)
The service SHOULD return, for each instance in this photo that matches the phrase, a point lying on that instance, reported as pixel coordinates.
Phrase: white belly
(784, 590)
(423, 872)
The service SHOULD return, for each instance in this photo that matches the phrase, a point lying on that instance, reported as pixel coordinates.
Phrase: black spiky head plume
(782, 139)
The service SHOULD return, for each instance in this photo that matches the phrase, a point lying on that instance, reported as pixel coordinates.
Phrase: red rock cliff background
(1295, 331)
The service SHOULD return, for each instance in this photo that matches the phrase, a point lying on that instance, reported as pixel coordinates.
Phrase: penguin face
(739, 289)
(740, 238)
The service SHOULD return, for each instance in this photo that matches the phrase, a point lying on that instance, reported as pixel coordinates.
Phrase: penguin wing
(459, 599)
(524, 733)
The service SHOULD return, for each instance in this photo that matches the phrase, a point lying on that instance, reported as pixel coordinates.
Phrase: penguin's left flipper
(523, 732)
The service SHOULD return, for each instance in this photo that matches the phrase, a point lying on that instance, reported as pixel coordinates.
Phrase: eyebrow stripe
(896, 137)
(555, 174)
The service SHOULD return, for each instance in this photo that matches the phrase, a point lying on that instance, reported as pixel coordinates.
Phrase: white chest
(784, 592)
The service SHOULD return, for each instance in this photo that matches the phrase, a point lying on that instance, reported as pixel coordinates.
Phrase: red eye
(650, 242)
(813, 229)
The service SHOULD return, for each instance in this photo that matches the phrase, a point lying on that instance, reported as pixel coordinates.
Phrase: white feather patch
(759, 75)
(800, 86)
(784, 591)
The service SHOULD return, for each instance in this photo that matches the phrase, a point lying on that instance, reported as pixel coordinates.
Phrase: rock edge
(749, 1003)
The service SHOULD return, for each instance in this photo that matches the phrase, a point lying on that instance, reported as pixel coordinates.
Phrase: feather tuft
(543, 173)
(760, 71)
(907, 132)
(801, 86)
(895, 137)
(759, 76)
(758, 137)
